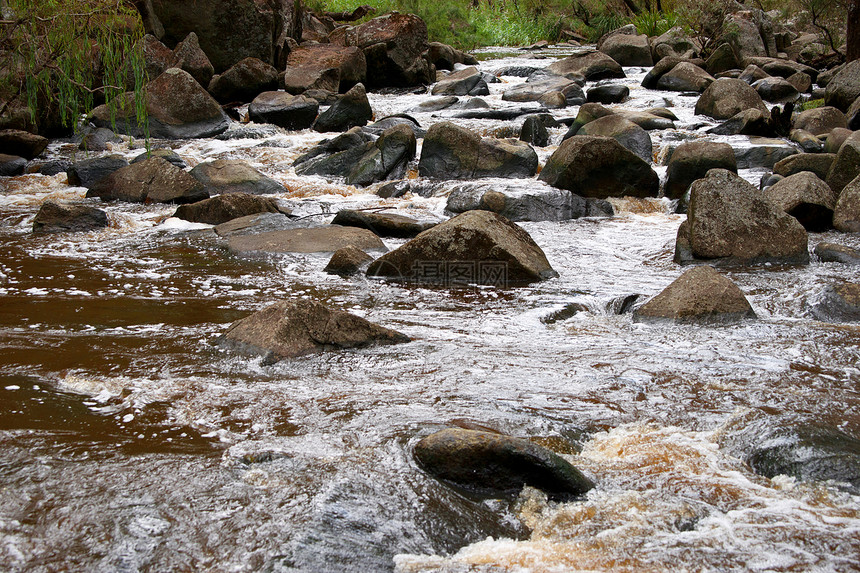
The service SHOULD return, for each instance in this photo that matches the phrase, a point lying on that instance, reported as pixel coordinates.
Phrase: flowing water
(131, 443)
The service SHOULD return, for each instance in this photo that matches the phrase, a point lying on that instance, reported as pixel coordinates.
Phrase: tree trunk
(853, 35)
(631, 5)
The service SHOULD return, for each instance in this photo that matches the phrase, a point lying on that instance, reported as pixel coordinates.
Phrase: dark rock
(844, 87)
(833, 253)
(164, 153)
(664, 66)
(592, 65)
(474, 247)
(231, 31)
(685, 77)
(153, 180)
(726, 97)
(11, 165)
(835, 139)
(355, 137)
(467, 81)
(752, 73)
(191, 58)
(22, 143)
(234, 176)
(701, 294)
(435, 104)
(817, 163)
(846, 166)
(264, 223)
(98, 140)
(347, 261)
(55, 218)
(820, 120)
(776, 90)
(599, 167)
(608, 94)
(445, 57)
(303, 80)
(295, 328)
(838, 303)
(244, 81)
(692, 160)
(177, 107)
(535, 90)
(728, 221)
(157, 57)
(624, 131)
(806, 198)
(534, 132)
(394, 189)
(313, 60)
(807, 142)
(846, 215)
(490, 464)
(535, 204)
(88, 172)
(763, 152)
(322, 239)
(382, 224)
(454, 152)
(223, 208)
(351, 110)
(54, 167)
(284, 110)
(721, 60)
(747, 122)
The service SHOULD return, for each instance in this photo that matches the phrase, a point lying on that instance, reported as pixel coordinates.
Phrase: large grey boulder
(844, 88)
(88, 172)
(319, 239)
(591, 65)
(593, 166)
(352, 109)
(701, 294)
(538, 203)
(685, 77)
(806, 198)
(820, 120)
(153, 180)
(289, 329)
(846, 215)
(728, 221)
(284, 110)
(628, 50)
(56, 218)
(536, 90)
(229, 31)
(741, 31)
(474, 247)
(726, 96)
(234, 176)
(692, 160)
(490, 464)
(177, 107)
(846, 166)
(467, 81)
(624, 131)
(223, 208)
(817, 163)
(453, 152)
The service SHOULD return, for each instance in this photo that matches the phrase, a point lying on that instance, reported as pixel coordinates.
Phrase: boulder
(490, 464)
(453, 152)
(22, 143)
(722, 59)
(692, 160)
(347, 261)
(313, 60)
(11, 165)
(833, 253)
(806, 198)
(538, 203)
(284, 110)
(191, 58)
(434, 104)
(350, 110)
(685, 77)
(776, 90)
(747, 122)
(807, 142)
(817, 163)
(289, 329)
(820, 120)
(846, 215)
(230, 31)
(608, 94)
(535, 90)
(801, 82)
(752, 73)
(308, 80)
(177, 108)
(728, 221)
(223, 208)
(593, 166)
(846, 166)
(153, 180)
(701, 294)
(88, 172)
(835, 139)
(534, 131)
(260, 223)
(55, 218)
(624, 131)
(157, 57)
(381, 224)
(476, 247)
(763, 152)
(628, 50)
(838, 303)
(725, 97)
(844, 88)
(675, 43)
(99, 139)
(445, 57)
(592, 65)
(243, 81)
(787, 68)
(467, 81)
(317, 239)
(741, 31)
(367, 162)
(393, 47)
(223, 176)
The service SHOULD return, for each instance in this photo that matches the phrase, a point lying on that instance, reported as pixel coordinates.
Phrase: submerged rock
(538, 203)
(289, 329)
(234, 176)
(347, 261)
(490, 464)
(382, 224)
(838, 303)
(223, 208)
(701, 294)
(55, 218)
(320, 239)
(477, 247)
(833, 253)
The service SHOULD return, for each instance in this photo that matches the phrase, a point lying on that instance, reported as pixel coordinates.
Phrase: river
(131, 443)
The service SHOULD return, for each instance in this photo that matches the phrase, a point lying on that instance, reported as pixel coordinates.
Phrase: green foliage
(656, 23)
(811, 104)
(605, 23)
(64, 57)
